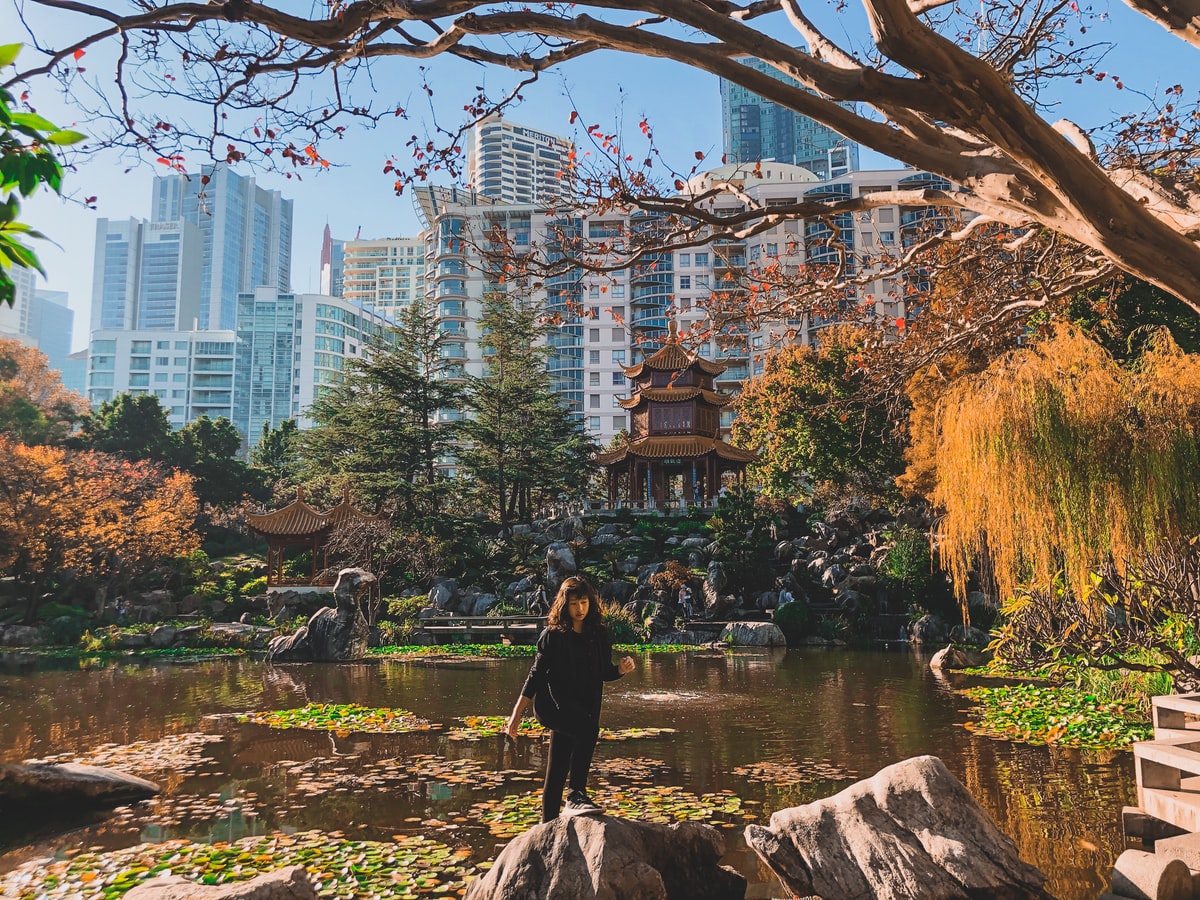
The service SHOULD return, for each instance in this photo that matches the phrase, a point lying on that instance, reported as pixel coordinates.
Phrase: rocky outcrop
(291, 883)
(68, 787)
(606, 858)
(949, 658)
(560, 565)
(753, 634)
(912, 832)
(331, 635)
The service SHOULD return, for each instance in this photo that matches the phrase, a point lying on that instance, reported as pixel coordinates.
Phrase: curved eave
(297, 519)
(673, 358)
(665, 446)
(675, 395)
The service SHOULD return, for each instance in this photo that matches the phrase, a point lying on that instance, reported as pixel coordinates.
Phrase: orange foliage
(101, 517)
(26, 378)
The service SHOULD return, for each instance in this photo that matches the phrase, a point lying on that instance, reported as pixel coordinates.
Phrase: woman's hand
(514, 723)
(626, 665)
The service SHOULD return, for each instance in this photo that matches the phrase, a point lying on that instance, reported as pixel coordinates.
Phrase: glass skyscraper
(756, 130)
(246, 232)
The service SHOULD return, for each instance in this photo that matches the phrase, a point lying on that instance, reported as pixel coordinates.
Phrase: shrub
(66, 630)
(255, 586)
(671, 578)
(622, 627)
(793, 620)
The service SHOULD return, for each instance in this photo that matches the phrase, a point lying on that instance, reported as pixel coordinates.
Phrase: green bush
(255, 586)
(622, 627)
(403, 609)
(793, 620)
(66, 630)
(51, 611)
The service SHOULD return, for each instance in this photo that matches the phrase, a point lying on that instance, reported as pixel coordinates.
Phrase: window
(594, 312)
(163, 345)
(619, 423)
(685, 260)
(685, 282)
(886, 215)
(178, 395)
(593, 334)
(177, 410)
(593, 401)
(139, 347)
(181, 360)
(616, 401)
(702, 281)
(181, 345)
(594, 423)
(887, 237)
(618, 357)
(594, 379)
(771, 249)
(868, 239)
(104, 346)
(594, 357)
(160, 377)
(618, 291)
(162, 360)
(619, 379)
(618, 334)
(594, 292)
(179, 378)
(702, 259)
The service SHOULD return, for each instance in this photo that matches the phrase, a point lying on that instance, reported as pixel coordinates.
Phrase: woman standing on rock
(565, 686)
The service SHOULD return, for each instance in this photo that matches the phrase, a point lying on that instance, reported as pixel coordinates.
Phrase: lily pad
(791, 772)
(343, 719)
(478, 728)
(407, 869)
(178, 754)
(515, 814)
(1056, 715)
(641, 771)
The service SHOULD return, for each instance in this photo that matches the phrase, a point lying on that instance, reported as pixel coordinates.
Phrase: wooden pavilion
(299, 525)
(675, 447)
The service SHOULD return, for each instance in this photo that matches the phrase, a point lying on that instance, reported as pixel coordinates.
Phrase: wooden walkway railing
(484, 629)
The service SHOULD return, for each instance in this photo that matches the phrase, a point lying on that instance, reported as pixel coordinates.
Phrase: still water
(814, 711)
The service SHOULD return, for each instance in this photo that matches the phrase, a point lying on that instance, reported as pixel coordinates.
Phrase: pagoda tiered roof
(665, 446)
(676, 395)
(671, 357)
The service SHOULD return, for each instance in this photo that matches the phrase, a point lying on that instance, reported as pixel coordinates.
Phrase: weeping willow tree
(1056, 462)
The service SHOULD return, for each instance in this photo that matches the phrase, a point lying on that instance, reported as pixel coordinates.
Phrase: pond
(813, 718)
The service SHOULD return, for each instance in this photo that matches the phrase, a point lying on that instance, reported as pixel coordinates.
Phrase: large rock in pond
(912, 832)
(68, 787)
(608, 858)
(560, 565)
(331, 635)
(753, 634)
(291, 883)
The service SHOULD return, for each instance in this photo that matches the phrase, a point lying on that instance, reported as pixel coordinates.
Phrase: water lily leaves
(1056, 715)
(633, 734)
(794, 772)
(343, 719)
(407, 869)
(480, 727)
(643, 771)
(515, 814)
(178, 754)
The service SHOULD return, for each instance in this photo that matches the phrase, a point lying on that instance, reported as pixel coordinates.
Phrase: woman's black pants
(570, 754)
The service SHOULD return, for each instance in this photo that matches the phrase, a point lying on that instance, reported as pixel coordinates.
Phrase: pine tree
(378, 427)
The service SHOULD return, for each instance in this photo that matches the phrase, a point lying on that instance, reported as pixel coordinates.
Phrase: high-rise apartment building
(512, 163)
(291, 348)
(387, 274)
(246, 234)
(755, 129)
(146, 275)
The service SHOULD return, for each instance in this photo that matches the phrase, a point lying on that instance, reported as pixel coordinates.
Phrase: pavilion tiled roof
(661, 446)
(298, 519)
(675, 395)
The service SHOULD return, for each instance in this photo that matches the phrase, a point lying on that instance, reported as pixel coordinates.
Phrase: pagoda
(675, 447)
(299, 525)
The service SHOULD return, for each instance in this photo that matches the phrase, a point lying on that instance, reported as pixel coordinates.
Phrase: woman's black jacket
(566, 680)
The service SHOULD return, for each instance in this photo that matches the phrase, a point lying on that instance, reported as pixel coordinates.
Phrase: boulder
(188, 633)
(608, 858)
(753, 634)
(444, 594)
(695, 543)
(480, 604)
(929, 629)
(133, 640)
(833, 575)
(949, 658)
(618, 592)
(912, 831)
(970, 635)
(163, 636)
(332, 634)
(648, 572)
(560, 565)
(606, 540)
(22, 636)
(291, 883)
(714, 582)
(68, 786)
(610, 529)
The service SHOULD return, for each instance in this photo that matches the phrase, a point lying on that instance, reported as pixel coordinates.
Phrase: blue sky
(681, 104)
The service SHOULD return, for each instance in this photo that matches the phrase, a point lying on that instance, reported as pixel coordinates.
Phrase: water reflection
(835, 709)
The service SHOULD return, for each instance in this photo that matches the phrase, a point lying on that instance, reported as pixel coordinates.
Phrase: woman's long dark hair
(572, 589)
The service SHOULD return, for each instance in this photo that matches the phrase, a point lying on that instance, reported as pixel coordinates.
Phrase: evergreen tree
(379, 427)
(133, 426)
(207, 449)
(520, 445)
(275, 454)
